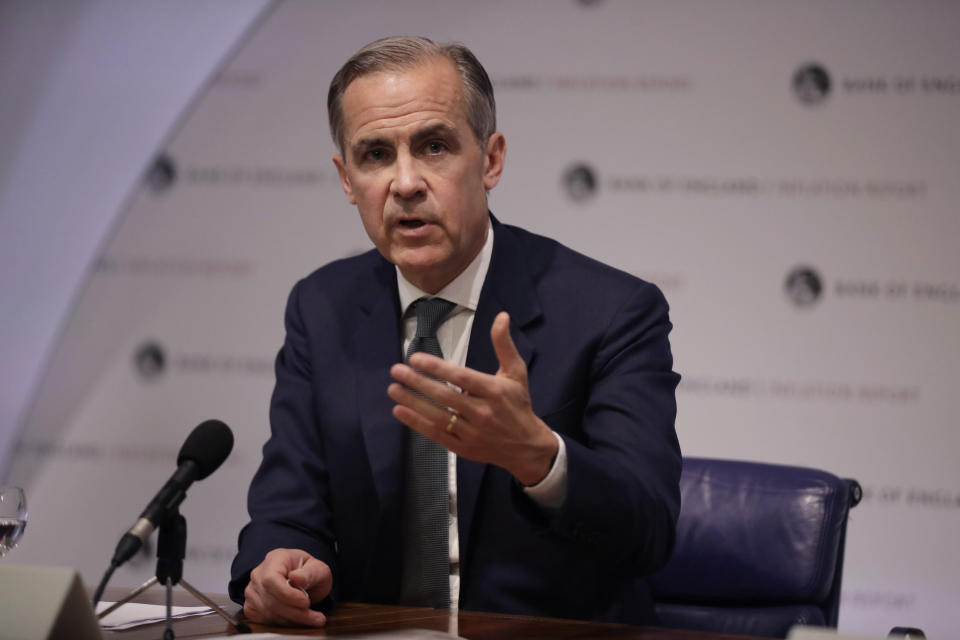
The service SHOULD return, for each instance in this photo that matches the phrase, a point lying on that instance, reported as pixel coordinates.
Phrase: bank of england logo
(811, 84)
(150, 361)
(162, 175)
(804, 286)
(580, 182)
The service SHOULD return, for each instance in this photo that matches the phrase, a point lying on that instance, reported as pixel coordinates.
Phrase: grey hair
(403, 52)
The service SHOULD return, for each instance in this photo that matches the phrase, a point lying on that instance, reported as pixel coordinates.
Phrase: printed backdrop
(786, 172)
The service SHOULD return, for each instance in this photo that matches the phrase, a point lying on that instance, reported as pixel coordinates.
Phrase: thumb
(511, 364)
(314, 577)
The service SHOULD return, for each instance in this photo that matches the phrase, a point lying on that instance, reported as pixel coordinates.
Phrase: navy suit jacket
(600, 373)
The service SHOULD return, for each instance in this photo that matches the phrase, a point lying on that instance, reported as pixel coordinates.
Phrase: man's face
(415, 170)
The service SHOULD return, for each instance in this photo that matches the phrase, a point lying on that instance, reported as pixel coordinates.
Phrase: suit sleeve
(288, 498)
(624, 465)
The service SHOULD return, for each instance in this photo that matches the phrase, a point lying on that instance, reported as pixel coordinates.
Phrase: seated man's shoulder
(345, 275)
(558, 268)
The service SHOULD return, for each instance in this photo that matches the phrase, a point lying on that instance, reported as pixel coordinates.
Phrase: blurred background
(787, 173)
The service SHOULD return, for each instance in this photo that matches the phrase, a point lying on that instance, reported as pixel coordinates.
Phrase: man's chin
(426, 270)
(425, 258)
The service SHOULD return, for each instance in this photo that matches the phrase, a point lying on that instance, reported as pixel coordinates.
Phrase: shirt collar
(464, 290)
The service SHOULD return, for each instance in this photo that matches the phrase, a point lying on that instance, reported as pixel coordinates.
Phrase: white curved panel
(90, 89)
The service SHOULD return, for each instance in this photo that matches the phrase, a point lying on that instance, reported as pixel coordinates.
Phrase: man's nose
(408, 180)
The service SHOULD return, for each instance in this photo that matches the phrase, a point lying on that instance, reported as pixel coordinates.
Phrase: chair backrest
(759, 548)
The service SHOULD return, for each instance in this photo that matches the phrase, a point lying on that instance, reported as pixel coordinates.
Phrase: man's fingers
(281, 614)
(270, 582)
(314, 577)
(438, 393)
(462, 377)
(262, 606)
(430, 403)
(274, 594)
(431, 422)
(511, 364)
(418, 381)
(431, 417)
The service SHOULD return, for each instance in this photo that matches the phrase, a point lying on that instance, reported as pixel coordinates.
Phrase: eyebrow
(368, 143)
(441, 129)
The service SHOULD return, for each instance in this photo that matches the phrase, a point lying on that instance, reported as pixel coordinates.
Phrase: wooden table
(358, 619)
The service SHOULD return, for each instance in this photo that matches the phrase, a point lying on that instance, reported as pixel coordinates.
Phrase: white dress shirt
(454, 337)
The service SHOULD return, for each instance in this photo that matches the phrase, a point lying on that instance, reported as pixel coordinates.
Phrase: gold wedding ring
(453, 422)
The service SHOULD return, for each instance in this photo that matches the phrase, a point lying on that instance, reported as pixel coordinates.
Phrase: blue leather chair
(759, 548)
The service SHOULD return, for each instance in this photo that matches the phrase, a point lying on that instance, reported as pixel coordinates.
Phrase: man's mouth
(411, 223)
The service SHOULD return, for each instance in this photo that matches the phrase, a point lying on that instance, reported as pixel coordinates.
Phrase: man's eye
(435, 147)
(376, 156)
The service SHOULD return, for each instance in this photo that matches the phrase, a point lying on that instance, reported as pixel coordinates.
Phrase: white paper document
(133, 614)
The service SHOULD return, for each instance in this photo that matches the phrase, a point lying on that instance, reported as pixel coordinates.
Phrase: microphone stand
(171, 549)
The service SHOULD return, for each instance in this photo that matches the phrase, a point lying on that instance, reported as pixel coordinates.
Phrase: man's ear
(344, 179)
(494, 155)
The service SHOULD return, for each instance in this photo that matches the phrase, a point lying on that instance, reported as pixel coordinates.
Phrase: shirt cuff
(551, 492)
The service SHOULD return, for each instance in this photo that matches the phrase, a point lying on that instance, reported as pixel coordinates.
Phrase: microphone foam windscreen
(208, 445)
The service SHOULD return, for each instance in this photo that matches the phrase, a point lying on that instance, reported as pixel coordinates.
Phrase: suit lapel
(379, 346)
(507, 287)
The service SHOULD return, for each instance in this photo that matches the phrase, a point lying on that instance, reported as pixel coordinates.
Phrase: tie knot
(430, 313)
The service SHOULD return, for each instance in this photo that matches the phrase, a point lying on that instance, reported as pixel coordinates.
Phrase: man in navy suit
(554, 396)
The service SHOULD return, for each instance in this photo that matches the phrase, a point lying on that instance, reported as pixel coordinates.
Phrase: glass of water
(13, 517)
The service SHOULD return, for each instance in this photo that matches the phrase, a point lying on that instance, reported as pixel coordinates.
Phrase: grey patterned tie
(426, 497)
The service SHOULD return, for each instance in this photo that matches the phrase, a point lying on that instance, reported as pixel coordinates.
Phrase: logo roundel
(811, 84)
(150, 361)
(162, 175)
(580, 182)
(803, 286)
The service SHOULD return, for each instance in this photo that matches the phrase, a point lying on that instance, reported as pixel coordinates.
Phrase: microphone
(202, 453)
